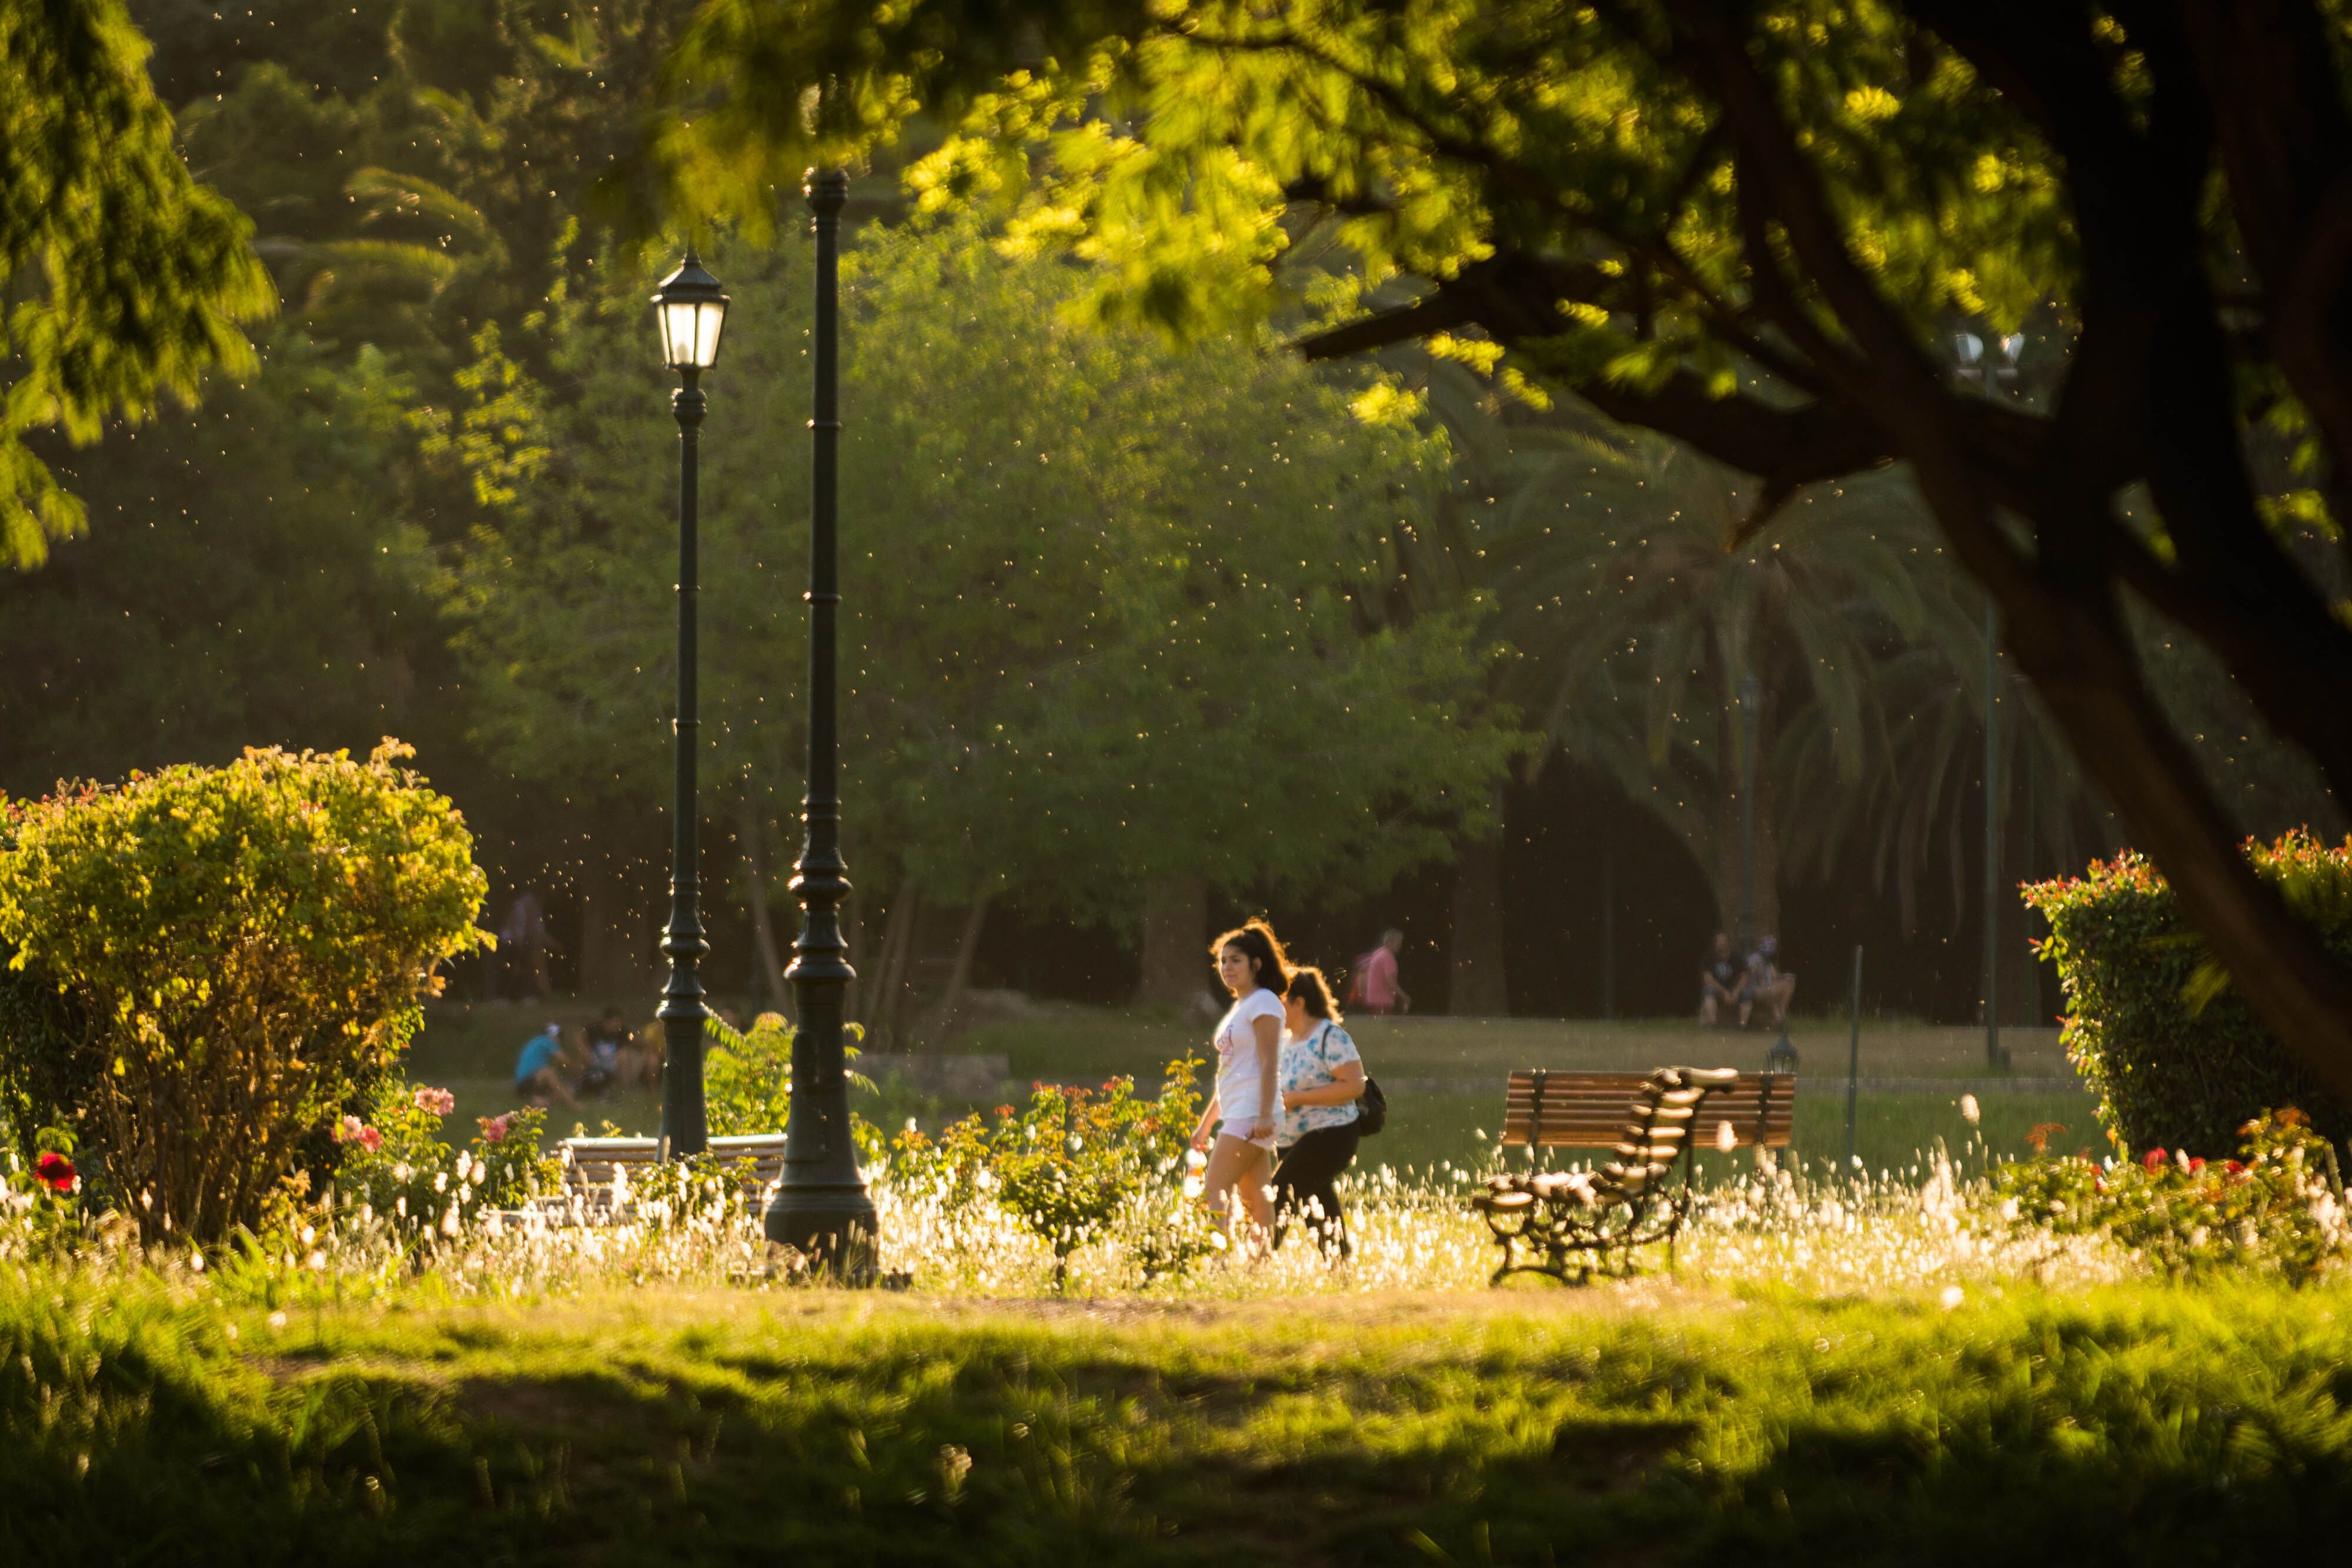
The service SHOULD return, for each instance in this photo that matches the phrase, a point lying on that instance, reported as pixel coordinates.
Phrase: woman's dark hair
(1311, 991)
(1257, 939)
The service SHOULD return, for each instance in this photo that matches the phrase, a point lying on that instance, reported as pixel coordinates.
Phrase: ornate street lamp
(820, 1205)
(690, 309)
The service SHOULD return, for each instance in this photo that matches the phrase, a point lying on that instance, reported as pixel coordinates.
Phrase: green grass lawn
(1063, 1040)
(1640, 1424)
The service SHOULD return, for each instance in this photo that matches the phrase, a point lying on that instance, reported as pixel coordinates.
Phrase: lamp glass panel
(677, 319)
(711, 315)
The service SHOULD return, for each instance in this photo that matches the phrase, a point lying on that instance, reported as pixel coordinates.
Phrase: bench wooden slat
(1591, 1110)
(595, 1160)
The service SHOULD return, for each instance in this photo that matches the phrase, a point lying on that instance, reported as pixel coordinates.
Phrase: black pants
(1302, 1184)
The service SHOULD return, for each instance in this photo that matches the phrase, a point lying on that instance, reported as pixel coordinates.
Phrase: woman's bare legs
(1238, 1162)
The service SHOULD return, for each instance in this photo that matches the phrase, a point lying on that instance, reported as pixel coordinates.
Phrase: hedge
(2170, 1073)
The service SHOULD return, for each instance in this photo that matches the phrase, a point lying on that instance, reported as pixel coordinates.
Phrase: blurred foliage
(122, 280)
(247, 948)
(746, 1082)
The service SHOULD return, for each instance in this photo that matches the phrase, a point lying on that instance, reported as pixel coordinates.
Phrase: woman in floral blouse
(1322, 1079)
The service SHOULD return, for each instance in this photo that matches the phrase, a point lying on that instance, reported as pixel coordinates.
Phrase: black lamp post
(821, 1206)
(1751, 697)
(1991, 368)
(690, 309)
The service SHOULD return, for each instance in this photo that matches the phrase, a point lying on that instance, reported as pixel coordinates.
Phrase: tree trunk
(2071, 642)
(1479, 983)
(885, 996)
(763, 935)
(617, 936)
(1730, 867)
(1175, 943)
(943, 1016)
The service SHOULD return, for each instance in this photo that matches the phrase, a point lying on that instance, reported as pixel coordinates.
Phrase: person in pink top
(1372, 987)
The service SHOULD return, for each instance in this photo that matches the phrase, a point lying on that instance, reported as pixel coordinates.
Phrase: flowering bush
(242, 951)
(2279, 1206)
(1068, 1163)
(2176, 1058)
(397, 1169)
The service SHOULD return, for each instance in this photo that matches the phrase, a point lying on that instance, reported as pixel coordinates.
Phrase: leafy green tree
(1752, 229)
(1101, 628)
(234, 591)
(124, 279)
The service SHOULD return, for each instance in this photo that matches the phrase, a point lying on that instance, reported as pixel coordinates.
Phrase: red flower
(2154, 1158)
(2195, 1164)
(55, 1170)
(1004, 1109)
(2235, 1168)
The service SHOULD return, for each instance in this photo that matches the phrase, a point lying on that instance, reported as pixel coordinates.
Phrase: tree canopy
(121, 279)
(1104, 616)
(1757, 228)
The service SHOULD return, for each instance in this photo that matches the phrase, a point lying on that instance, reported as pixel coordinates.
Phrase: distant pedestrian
(1322, 1079)
(1246, 1107)
(1372, 980)
(522, 948)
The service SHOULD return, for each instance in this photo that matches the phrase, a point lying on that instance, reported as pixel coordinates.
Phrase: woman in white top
(1245, 1108)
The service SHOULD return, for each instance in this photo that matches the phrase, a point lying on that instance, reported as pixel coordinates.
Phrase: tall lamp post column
(1994, 1054)
(1991, 367)
(821, 1206)
(1751, 697)
(690, 309)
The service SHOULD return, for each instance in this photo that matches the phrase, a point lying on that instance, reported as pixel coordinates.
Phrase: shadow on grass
(129, 1435)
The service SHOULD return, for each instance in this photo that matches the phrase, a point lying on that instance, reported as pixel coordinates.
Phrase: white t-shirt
(1241, 1069)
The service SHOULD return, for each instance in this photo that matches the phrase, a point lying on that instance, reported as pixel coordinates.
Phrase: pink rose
(349, 1129)
(440, 1102)
(369, 1139)
(494, 1128)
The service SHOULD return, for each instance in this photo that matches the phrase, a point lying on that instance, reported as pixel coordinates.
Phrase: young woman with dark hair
(1245, 1108)
(1322, 1079)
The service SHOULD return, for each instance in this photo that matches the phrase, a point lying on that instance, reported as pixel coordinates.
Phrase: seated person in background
(536, 1078)
(1720, 983)
(641, 1060)
(1767, 983)
(605, 1040)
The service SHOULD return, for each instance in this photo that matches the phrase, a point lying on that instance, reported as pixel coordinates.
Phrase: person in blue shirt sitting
(535, 1075)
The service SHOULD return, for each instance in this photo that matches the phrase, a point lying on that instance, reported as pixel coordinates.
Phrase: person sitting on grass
(1767, 983)
(1720, 983)
(536, 1080)
(604, 1043)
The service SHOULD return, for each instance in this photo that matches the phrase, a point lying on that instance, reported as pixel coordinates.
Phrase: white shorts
(1239, 1127)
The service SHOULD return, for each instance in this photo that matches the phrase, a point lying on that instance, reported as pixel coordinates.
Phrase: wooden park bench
(592, 1163)
(1553, 1222)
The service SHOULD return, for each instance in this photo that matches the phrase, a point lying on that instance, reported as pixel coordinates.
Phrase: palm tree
(1639, 610)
